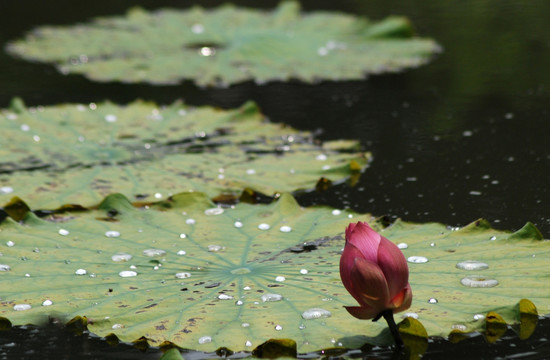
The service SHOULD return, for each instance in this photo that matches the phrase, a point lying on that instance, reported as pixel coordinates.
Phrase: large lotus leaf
(228, 45)
(204, 277)
(79, 154)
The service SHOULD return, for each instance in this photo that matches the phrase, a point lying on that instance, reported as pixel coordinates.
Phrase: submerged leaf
(205, 277)
(228, 45)
(79, 154)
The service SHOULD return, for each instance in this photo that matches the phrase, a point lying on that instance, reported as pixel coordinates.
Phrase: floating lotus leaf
(205, 277)
(227, 45)
(80, 153)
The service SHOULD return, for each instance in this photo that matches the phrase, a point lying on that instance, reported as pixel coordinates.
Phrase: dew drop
(207, 51)
(10, 243)
(432, 244)
(117, 326)
(205, 340)
(336, 212)
(250, 171)
(238, 302)
(402, 246)
(127, 273)
(264, 226)
(472, 265)
(47, 302)
(225, 297)
(301, 327)
(214, 248)
(6, 189)
(271, 297)
(478, 281)
(417, 259)
(213, 211)
(493, 238)
(247, 288)
(285, 229)
(303, 271)
(158, 196)
(479, 317)
(410, 314)
(154, 252)
(181, 252)
(21, 307)
(4, 267)
(248, 343)
(133, 267)
(432, 300)
(197, 28)
(110, 118)
(183, 236)
(63, 232)
(316, 313)
(321, 157)
(280, 278)
(245, 325)
(112, 233)
(118, 257)
(459, 327)
(183, 275)
(278, 327)
(238, 224)
(190, 221)
(81, 272)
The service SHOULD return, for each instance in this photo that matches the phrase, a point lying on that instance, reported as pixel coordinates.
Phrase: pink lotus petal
(369, 284)
(364, 238)
(403, 300)
(362, 312)
(394, 265)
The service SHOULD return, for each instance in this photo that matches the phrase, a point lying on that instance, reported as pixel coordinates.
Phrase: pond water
(461, 138)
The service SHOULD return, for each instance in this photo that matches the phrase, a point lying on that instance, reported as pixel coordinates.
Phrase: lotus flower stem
(388, 315)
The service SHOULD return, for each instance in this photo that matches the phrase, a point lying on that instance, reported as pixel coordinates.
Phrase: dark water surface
(464, 137)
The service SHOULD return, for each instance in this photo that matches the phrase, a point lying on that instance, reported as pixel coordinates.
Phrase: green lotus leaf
(227, 45)
(79, 154)
(205, 277)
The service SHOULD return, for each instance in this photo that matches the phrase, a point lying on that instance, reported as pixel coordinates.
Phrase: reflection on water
(55, 342)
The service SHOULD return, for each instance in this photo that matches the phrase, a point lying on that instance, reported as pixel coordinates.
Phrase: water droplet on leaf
(280, 278)
(112, 233)
(417, 259)
(402, 246)
(285, 228)
(213, 211)
(472, 265)
(478, 281)
(21, 307)
(205, 339)
(264, 226)
(183, 275)
(127, 273)
(316, 313)
(121, 257)
(271, 297)
(81, 272)
(63, 232)
(154, 252)
(47, 302)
